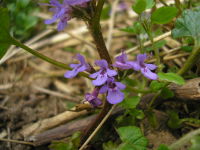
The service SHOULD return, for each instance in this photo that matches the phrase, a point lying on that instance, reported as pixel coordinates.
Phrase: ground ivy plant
(113, 76)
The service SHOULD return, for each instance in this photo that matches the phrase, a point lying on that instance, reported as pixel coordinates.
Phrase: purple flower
(113, 88)
(122, 62)
(103, 74)
(144, 68)
(93, 98)
(123, 6)
(63, 11)
(83, 66)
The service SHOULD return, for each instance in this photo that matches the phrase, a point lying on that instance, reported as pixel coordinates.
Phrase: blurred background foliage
(23, 17)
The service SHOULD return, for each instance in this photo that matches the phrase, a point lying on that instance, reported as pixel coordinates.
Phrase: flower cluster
(63, 12)
(104, 78)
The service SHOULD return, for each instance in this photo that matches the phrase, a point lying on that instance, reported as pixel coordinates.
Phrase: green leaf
(166, 93)
(131, 102)
(164, 14)
(174, 122)
(105, 14)
(171, 77)
(71, 144)
(151, 118)
(61, 146)
(149, 4)
(110, 146)
(188, 25)
(156, 85)
(163, 147)
(132, 138)
(22, 3)
(4, 25)
(5, 39)
(76, 138)
(137, 28)
(128, 30)
(139, 6)
(195, 143)
(187, 48)
(3, 49)
(139, 114)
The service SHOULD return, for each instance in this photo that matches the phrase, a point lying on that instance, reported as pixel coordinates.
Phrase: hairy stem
(45, 58)
(95, 29)
(191, 60)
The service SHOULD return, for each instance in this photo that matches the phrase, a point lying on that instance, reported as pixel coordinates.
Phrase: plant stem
(191, 60)
(185, 139)
(45, 58)
(98, 127)
(95, 29)
(178, 5)
(156, 51)
(154, 99)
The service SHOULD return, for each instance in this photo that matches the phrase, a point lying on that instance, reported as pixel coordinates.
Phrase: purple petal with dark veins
(102, 63)
(115, 96)
(101, 79)
(147, 73)
(103, 89)
(151, 66)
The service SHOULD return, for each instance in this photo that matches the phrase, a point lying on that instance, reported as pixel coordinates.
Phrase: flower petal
(101, 79)
(135, 65)
(141, 58)
(50, 21)
(151, 66)
(71, 74)
(103, 89)
(122, 58)
(111, 73)
(115, 96)
(61, 25)
(120, 85)
(55, 3)
(81, 68)
(94, 75)
(75, 2)
(102, 63)
(75, 71)
(147, 73)
(96, 102)
(122, 66)
(81, 58)
(74, 65)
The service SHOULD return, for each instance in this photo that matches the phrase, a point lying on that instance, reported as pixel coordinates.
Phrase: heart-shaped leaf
(188, 25)
(171, 77)
(164, 14)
